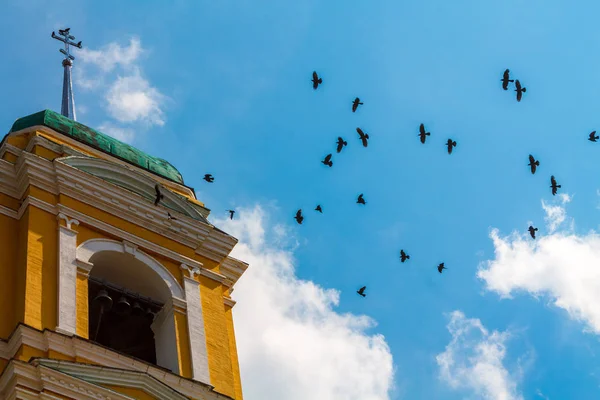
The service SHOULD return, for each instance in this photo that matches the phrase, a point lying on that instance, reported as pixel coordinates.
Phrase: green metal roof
(99, 141)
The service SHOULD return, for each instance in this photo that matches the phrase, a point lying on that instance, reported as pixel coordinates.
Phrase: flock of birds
(423, 134)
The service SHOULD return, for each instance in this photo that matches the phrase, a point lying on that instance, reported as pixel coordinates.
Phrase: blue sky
(224, 88)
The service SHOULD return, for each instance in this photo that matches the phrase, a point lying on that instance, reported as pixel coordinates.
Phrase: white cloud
(542, 395)
(474, 360)
(132, 99)
(112, 55)
(562, 266)
(292, 343)
(128, 96)
(556, 214)
(123, 134)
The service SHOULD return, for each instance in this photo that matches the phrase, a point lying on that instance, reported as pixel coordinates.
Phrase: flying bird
(361, 291)
(159, 195)
(355, 104)
(209, 178)
(170, 216)
(403, 256)
(360, 199)
(319, 209)
(532, 231)
(553, 185)
(450, 143)
(299, 218)
(64, 32)
(422, 133)
(327, 161)
(533, 163)
(340, 144)
(593, 137)
(363, 136)
(505, 80)
(441, 267)
(316, 80)
(519, 90)
(231, 212)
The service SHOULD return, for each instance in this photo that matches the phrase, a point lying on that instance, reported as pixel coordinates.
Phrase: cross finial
(65, 39)
(68, 101)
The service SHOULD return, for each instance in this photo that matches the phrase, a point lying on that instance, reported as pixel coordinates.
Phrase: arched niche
(131, 272)
(131, 180)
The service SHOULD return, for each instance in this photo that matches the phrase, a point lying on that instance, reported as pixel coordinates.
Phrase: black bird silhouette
(340, 144)
(441, 267)
(450, 143)
(327, 161)
(592, 137)
(422, 133)
(319, 209)
(64, 32)
(159, 195)
(231, 212)
(533, 163)
(208, 178)
(519, 90)
(316, 80)
(363, 136)
(299, 218)
(361, 291)
(170, 216)
(355, 104)
(505, 80)
(532, 231)
(403, 256)
(360, 199)
(553, 185)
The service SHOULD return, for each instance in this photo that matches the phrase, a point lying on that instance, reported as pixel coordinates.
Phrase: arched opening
(130, 297)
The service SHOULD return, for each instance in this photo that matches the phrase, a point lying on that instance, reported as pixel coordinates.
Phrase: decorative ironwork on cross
(65, 39)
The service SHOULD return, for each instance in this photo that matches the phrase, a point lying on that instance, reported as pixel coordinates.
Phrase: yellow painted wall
(81, 289)
(10, 157)
(131, 392)
(40, 273)
(9, 202)
(9, 229)
(44, 152)
(217, 342)
(235, 365)
(183, 345)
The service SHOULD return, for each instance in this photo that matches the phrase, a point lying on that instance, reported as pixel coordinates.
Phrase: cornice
(104, 357)
(98, 154)
(233, 269)
(229, 302)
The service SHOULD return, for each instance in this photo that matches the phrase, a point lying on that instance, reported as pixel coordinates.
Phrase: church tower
(113, 283)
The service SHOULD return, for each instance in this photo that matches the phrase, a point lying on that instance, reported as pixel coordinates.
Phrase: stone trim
(67, 276)
(197, 335)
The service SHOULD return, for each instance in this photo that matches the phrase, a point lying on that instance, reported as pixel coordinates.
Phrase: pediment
(131, 384)
(133, 181)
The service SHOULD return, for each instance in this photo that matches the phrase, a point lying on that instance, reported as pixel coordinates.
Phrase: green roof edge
(100, 141)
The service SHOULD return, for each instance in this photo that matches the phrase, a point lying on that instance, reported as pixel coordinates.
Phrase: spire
(68, 102)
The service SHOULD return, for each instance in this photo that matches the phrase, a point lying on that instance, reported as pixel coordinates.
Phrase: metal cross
(65, 40)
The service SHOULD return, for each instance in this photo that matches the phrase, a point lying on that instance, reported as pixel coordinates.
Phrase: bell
(150, 314)
(137, 309)
(122, 307)
(103, 300)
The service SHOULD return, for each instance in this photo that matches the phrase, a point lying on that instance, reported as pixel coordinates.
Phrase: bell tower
(108, 290)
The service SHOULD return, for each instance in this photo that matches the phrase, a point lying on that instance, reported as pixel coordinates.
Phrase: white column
(165, 340)
(67, 277)
(195, 322)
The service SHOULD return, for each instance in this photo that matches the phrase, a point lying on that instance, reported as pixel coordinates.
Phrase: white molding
(229, 302)
(87, 249)
(8, 212)
(68, 221)
(104, 357)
